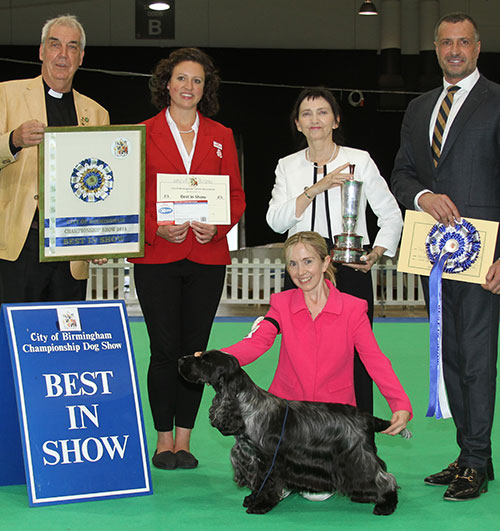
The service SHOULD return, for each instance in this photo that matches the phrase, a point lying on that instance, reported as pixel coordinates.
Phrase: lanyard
(327, 206)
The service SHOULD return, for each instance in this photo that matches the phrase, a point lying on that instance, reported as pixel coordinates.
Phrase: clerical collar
(55, 94)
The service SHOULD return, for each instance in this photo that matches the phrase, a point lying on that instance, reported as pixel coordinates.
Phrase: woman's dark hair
(313, 94)
(209, 104)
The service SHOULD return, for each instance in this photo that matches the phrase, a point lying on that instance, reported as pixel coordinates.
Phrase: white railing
(391, 288)
(252, 282)
(114, 280)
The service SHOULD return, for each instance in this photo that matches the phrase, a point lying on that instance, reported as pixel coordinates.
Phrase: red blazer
(162, 156)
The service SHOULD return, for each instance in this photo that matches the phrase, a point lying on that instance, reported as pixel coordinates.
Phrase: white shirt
(187, 158)
(295, 171)
(466, 85)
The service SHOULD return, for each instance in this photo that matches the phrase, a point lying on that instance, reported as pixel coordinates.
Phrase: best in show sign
(78, 401)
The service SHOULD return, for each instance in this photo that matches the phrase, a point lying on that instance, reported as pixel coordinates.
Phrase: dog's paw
(247, 500)
(388, 505)
(257, 508)
(383, 509)
(260, 504)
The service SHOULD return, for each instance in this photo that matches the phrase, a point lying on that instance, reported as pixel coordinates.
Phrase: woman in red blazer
(180, 278)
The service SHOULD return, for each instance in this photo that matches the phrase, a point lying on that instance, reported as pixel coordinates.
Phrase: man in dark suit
(461, 179)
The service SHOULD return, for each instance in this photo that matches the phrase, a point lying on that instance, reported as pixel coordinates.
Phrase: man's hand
(440, 207)
(99, 261)
(493, 278)
(28, 134)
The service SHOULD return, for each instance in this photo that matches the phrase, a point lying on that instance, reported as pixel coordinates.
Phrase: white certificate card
(413, 255)
(183, 197)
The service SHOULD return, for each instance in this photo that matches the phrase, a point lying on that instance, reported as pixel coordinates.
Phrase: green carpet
(207, 499)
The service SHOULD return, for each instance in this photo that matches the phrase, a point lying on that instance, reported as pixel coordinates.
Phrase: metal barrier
(253, 282)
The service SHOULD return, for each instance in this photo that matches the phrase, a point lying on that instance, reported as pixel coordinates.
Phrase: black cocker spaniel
(291, 445)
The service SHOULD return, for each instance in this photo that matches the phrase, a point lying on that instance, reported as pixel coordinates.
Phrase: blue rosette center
(461, 243)
(92, 180)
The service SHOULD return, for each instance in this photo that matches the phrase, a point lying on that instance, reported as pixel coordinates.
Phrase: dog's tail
(381, 425)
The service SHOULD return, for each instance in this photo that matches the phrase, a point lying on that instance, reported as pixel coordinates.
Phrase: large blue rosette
(450, 250)
(92, 180)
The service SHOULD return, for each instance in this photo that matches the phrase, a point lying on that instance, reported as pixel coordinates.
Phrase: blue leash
(275, 452)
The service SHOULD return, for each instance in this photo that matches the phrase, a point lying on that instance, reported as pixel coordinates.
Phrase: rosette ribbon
(451, 250)
(438, 401)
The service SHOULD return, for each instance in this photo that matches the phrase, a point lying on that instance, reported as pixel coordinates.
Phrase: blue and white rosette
(450, 250)
(92, 180)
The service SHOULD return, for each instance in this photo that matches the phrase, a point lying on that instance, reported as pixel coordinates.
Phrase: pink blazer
(162, 156)
(317, 356)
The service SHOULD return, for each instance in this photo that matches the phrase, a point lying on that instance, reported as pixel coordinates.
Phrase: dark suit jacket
(469, 166)
(162, 156)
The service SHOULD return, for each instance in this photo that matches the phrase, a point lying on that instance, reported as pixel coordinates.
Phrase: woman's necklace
(334, 154)
(185, 132)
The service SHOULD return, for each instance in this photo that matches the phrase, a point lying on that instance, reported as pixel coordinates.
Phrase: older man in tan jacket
(26, 107)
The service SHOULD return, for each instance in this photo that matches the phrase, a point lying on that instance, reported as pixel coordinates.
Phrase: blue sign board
(78, 402)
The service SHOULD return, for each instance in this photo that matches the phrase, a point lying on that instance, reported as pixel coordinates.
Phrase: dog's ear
(225, 415)
(225, 371)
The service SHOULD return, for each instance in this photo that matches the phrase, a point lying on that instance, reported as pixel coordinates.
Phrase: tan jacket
(22, 100)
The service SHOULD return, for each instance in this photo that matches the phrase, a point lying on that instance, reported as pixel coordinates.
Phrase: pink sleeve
(378, 365)
(255, 343)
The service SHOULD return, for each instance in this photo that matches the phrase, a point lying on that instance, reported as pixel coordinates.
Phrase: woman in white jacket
(307, 196)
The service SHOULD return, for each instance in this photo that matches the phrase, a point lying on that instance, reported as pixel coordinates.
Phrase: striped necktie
(442, 117)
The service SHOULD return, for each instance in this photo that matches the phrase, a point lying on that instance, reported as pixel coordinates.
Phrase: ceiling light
(367, 8)
(159, 6)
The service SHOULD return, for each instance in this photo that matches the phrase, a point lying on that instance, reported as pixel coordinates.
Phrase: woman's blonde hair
(315, 242)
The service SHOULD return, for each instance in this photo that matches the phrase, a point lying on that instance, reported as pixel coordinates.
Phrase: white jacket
(294, 172)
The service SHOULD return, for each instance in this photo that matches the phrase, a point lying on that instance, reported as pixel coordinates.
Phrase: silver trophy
(348, 247)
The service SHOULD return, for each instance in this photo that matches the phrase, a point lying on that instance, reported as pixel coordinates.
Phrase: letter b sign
(154, 27)
(151, 24)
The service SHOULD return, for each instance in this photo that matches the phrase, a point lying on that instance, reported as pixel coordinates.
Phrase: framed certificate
(91, 192)
(182, 197)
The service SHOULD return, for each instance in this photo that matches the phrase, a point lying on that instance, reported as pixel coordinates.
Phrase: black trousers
(179, 302)
(29, 280)
(470, 351)
(359, 284)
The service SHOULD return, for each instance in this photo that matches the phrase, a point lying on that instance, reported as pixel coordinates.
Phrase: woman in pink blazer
(180, 278)
(320, 328)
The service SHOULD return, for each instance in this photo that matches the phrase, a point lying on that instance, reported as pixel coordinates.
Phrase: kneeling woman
(320, 328)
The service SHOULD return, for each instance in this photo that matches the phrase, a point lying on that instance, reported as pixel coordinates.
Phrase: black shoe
(164, 460)
(185, 459)
(447, 475)
(467, 485)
